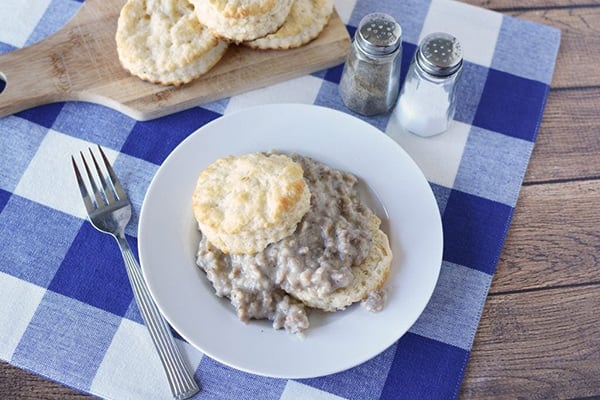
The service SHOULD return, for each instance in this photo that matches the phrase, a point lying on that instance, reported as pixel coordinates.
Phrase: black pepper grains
(371, 77)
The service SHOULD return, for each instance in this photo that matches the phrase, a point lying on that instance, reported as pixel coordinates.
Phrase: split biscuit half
(242, 20)
(244, 203)
(368, 276)
(306, 21)
(162, 41)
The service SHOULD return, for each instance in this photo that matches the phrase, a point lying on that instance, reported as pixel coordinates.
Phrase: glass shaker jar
(371, 77)
(427, 101)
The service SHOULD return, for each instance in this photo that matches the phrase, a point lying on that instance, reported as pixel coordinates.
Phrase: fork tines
(108, 191)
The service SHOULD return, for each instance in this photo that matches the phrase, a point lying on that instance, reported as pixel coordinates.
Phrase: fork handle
(181, 380)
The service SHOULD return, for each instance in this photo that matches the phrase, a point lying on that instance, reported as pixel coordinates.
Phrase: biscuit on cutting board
(305, 22)
(242, 20)
(162, 41)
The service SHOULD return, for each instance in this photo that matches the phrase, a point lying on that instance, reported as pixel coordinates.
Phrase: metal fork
(109, 211)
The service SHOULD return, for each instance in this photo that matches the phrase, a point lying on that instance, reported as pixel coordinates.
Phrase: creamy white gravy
(332, 237)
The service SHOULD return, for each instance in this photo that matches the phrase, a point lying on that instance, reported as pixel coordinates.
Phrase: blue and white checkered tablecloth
(72, 318)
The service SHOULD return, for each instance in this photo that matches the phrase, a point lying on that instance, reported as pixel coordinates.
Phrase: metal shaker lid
(440, 54)
(378, 34)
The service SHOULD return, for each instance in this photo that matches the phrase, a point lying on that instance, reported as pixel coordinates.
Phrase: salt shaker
(427, 101)
(371, 77)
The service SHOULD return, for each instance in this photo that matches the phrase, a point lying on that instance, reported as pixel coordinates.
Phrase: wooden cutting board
(80, 63)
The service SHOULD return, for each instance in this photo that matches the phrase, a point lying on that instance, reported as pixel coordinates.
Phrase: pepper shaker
(427, 101)
(370, 79)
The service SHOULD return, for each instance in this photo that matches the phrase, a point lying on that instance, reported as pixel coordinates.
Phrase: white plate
(168, 239)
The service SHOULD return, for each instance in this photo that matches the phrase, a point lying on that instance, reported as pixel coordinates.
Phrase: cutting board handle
(29, 80)
(65, 64)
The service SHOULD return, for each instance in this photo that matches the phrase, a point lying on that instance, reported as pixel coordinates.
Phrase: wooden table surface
(539, 336)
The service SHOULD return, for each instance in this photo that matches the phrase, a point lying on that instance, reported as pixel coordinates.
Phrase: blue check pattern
(70, 316)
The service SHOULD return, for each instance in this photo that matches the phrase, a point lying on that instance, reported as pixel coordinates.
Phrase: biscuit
(242, 20)
(305, 22)
(244, 203)
(370, 275)
(162, 41)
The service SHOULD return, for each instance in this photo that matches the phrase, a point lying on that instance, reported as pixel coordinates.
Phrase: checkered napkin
(71, 317)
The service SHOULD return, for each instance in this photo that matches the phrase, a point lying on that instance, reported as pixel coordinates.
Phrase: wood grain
(537, 345)
(80, 63)
(554, 239)
(16, 383)
(539, 336)
(569, 139)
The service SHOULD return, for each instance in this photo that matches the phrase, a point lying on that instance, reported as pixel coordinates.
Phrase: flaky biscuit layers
(162, 41)
(244, 203)
(242, 20)
(305, 22)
